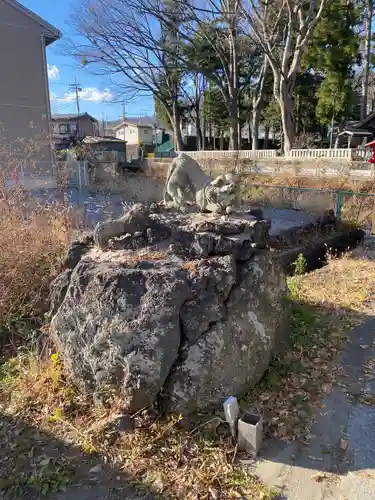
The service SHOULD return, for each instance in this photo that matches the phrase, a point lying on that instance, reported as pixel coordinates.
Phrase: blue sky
(95, 97)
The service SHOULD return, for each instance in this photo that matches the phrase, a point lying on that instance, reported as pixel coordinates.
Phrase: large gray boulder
(186, 321)
(236, 349)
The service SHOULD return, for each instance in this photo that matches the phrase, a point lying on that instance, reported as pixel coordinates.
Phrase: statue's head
(222, 191)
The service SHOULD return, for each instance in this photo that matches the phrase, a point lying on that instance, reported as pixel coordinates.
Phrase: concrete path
(339, 461)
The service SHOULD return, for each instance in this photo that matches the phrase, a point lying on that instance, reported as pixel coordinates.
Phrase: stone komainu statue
(186, 182)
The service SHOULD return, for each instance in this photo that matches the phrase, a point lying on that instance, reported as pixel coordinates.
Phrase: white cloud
(53, 72)
(88, 94)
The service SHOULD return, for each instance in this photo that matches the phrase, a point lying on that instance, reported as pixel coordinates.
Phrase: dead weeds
(34, 237)
(325, 304)
(158, 455)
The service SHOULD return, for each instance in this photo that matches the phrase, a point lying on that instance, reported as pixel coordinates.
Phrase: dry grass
(326, 304)
(190, 266)
(343, 285)
(158, 455)
(355, 209)
(33, 240)
(135, 187)
(147, 255)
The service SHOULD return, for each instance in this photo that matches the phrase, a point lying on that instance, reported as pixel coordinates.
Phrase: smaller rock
(69, 407)
(96, 470)
(120, 423)
(343, 444)
(256, 212)
(245, 252)
(137, 234)
(116, 423)
(204, 244)
(58, 289)
(75, 253)
(224, 246)
(155, 208)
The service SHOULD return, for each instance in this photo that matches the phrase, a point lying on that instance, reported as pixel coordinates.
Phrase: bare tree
(194, 95)
(213, 24)
(128, 46)
(257, 101)
(283, 29)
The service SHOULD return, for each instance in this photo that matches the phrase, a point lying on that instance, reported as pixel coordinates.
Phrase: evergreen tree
(333, 53)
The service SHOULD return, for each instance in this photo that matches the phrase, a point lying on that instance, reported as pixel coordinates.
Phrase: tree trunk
(233, 127)
(204, 128)
(298, 108)
(285, 102)
(255, 129)
(366, 61)
(266, 136)
(256, 104)
(198, 127)
(179, 143)
(200, 144)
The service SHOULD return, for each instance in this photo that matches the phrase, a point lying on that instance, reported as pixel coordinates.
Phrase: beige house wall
(24, 95)
(145, 135)
(134, 134)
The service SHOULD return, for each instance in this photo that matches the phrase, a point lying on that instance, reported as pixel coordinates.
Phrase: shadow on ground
(338, 461)
(35, 465)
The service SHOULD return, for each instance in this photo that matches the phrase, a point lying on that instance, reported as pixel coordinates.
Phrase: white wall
(131, 134)
(145, 135)
(120, 133)
(134, 134)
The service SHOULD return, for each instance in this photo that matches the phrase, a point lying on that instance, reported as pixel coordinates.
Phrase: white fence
(333, 154)
(358, 154)
(261, 153)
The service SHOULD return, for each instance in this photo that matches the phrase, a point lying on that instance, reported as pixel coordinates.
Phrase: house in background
(24, 95)
(67, 128)
(134, 133)
(106, 149)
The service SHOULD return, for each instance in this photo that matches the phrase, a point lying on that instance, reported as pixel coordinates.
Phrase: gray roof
(355, 131)
(97, 140)
(133, 123)
(72, 116)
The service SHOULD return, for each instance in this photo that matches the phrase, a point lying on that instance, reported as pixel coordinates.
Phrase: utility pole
(123, 110)
(76, 87)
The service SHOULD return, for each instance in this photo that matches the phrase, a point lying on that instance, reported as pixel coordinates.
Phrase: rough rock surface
(189, 315)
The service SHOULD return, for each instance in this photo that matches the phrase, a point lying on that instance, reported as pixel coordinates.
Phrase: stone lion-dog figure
(186, 183)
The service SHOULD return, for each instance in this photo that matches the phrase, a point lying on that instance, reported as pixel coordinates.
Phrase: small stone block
(250, 433)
